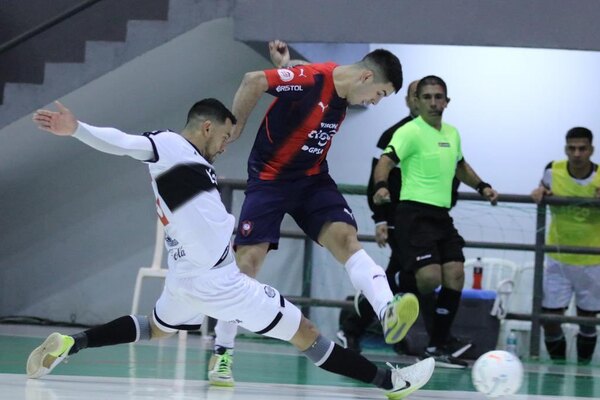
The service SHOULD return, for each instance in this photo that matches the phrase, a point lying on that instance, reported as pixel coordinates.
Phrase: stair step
(12, 90)
(102, 57)
(150, 33)
(100, 53)
(65, 74)
(20, 95)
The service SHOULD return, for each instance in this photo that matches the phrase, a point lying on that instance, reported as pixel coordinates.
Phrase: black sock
(121, 330)
(445, 311)
(351, 364)
(81, 342)
(557, 348)
(585, 348)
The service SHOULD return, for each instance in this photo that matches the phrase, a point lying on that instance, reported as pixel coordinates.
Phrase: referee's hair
(386, 65)
(210, 109)
(580, 132)
(431, 80)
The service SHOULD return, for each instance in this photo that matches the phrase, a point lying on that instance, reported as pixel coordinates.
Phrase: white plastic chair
(522, 296)
(499, 275)
(154, 271)
(521, 302)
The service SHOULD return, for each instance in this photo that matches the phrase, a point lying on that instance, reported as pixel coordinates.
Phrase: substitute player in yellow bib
(573, 225)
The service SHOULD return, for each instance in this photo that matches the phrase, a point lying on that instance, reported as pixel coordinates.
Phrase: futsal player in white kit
(203, 278)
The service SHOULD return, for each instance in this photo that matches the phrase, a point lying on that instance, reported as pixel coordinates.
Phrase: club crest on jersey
(285, 75)
(171, 242)
(246, 227)
(269, 291)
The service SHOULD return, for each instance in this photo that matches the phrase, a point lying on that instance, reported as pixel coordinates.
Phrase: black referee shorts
(425, 235)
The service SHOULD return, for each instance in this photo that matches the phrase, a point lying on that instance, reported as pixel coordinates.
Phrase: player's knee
(249, 269)
(250, 258)
(428, 279)
(350, 239)
(454, 275)
(308, 328)
(340, 238)
(306, 335)
(156, 332)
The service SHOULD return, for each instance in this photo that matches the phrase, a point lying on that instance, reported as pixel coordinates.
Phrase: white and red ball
(497, 373)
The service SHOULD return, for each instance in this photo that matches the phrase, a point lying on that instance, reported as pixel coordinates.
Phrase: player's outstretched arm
(107, 140)
(60, 123)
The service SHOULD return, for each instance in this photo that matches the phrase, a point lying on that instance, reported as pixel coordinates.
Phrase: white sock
(370, 279)
(225, 334)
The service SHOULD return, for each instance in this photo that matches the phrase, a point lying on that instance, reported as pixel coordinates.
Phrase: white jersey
(203, 278)
(198, 227)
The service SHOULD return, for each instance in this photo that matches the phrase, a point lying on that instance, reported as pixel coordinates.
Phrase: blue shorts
(312, 201)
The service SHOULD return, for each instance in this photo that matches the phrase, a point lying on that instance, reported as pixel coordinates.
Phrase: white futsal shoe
(409, 379)
(48, 355)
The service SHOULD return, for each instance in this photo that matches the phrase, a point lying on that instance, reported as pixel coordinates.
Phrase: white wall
(512, 107)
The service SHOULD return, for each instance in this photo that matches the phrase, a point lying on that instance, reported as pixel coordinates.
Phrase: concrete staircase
(101, 57)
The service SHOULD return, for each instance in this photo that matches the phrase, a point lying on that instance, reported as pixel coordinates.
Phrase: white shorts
(227, 294)
(561, 281)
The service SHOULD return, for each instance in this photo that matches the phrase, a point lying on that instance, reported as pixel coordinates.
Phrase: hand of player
(381, 234)
(381, 196)
(60, 123)
(538, 194)
(280, 53)
(490, 194)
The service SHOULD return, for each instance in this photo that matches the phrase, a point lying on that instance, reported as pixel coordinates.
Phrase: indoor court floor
(264, 369)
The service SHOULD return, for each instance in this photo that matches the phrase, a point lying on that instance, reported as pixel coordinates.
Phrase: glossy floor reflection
(264, 369)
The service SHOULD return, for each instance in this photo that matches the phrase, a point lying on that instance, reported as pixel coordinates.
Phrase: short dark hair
(580, 132)
(431, 80)
(387, 64)
(211, 109)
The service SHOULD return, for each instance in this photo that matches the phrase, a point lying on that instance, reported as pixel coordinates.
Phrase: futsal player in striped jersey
(288, 173)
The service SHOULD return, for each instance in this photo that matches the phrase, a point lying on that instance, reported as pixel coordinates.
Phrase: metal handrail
(46, 25)
(539, 249)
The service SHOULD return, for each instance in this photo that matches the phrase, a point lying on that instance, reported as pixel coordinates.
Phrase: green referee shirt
(428, 159)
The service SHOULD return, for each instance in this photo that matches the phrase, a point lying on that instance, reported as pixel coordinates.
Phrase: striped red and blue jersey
(296, 133)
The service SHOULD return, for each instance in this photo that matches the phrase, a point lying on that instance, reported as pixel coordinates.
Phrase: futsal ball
(497, 373)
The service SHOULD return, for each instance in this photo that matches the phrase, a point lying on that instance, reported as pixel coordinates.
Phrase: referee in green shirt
(430, 155)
